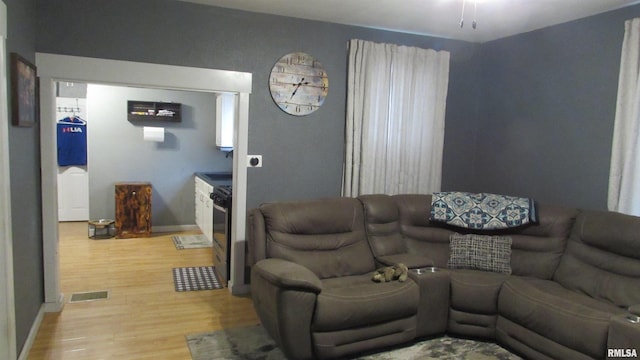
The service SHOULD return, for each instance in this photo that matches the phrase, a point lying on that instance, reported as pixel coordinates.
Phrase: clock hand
(298, 86)
(294, 91)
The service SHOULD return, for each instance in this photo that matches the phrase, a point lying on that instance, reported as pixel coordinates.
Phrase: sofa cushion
(355, 301)
(327, 236)
(476, 291)
(480, 252)
(561, 315)
(602, 258)
(382, 225)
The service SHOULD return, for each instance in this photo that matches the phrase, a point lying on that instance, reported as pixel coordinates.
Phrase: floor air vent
(89, 296)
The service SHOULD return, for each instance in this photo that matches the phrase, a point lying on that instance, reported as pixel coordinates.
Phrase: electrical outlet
(254, 160)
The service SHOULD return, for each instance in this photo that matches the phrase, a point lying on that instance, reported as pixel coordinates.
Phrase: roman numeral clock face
(298, 84)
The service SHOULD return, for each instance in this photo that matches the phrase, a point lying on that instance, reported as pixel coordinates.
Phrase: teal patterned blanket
(482, 211)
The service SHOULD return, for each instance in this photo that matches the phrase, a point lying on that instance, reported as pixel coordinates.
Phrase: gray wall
(547, 111)
(118, 153)
(26, 206)
(527, 115)
(531, 114)
(302, 156)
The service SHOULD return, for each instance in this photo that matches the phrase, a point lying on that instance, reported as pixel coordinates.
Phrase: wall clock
(298, 84)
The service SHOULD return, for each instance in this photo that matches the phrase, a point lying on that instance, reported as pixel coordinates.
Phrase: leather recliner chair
(311, 281)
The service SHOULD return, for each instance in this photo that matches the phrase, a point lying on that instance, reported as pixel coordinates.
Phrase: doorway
(118, 149)
(73, 172)
(52, 68)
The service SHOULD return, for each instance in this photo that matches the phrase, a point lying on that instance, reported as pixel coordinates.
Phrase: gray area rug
(191, 241)
(253, 343)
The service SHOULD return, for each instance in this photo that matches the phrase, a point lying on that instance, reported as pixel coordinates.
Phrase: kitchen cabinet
(204, 207)
(133, 209)
(199, 202)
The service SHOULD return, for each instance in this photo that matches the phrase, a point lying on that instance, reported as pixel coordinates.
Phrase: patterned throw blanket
(482, 211)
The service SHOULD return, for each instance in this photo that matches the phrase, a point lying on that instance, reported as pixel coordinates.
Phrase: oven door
(221, 240)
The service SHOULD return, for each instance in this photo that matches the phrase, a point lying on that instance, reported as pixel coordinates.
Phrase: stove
(222, 196)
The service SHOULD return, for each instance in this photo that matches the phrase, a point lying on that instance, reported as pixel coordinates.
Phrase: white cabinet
(204, 207)
(199, 202)
(225, 118)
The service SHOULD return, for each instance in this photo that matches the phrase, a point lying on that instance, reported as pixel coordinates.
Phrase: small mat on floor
(252, 342)
(196, 278)
(191, 241)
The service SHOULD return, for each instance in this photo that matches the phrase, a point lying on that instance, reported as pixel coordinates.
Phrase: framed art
(24, 89)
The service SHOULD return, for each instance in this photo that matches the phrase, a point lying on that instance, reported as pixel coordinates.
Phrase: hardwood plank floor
(144, 317)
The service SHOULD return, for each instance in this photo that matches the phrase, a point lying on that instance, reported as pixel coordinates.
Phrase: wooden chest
(133, 209)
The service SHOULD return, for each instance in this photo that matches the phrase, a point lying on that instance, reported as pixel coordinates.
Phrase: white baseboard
(54, 306)
(24, 354)
(174, 228)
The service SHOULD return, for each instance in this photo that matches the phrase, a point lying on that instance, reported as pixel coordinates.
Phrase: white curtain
(396, 98)
(624, 176)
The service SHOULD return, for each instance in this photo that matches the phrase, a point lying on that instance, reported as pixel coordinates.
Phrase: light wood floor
(144, 318)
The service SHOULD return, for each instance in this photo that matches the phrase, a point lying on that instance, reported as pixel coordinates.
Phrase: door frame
(53, 67)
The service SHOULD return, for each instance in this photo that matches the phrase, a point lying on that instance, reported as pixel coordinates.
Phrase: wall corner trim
(24, 354)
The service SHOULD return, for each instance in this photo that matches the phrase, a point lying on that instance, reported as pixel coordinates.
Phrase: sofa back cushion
(602, 258)
(382, 222)
(327, 236)
(535, 251)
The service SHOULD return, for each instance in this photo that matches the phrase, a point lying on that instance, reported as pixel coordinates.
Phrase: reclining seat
(598, 280)
(311, 283)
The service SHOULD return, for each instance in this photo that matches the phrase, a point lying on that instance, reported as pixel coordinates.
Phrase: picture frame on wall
(24, 91)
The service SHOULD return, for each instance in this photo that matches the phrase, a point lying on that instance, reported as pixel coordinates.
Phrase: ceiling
(495, 18)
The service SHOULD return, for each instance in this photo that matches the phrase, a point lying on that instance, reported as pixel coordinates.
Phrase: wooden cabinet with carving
(133, 209)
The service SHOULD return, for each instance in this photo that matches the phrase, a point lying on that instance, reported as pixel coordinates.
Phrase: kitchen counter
(213, 178)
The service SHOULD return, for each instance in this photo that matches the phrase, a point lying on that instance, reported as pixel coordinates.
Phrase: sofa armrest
(284, 295)
(288, 275)
(624, 333)
(635, 309)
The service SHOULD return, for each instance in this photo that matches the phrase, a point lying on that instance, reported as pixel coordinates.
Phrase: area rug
(253, 343)
(196, 278)
(191, 241)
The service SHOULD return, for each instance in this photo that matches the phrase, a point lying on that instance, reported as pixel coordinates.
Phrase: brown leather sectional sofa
(573, 291)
